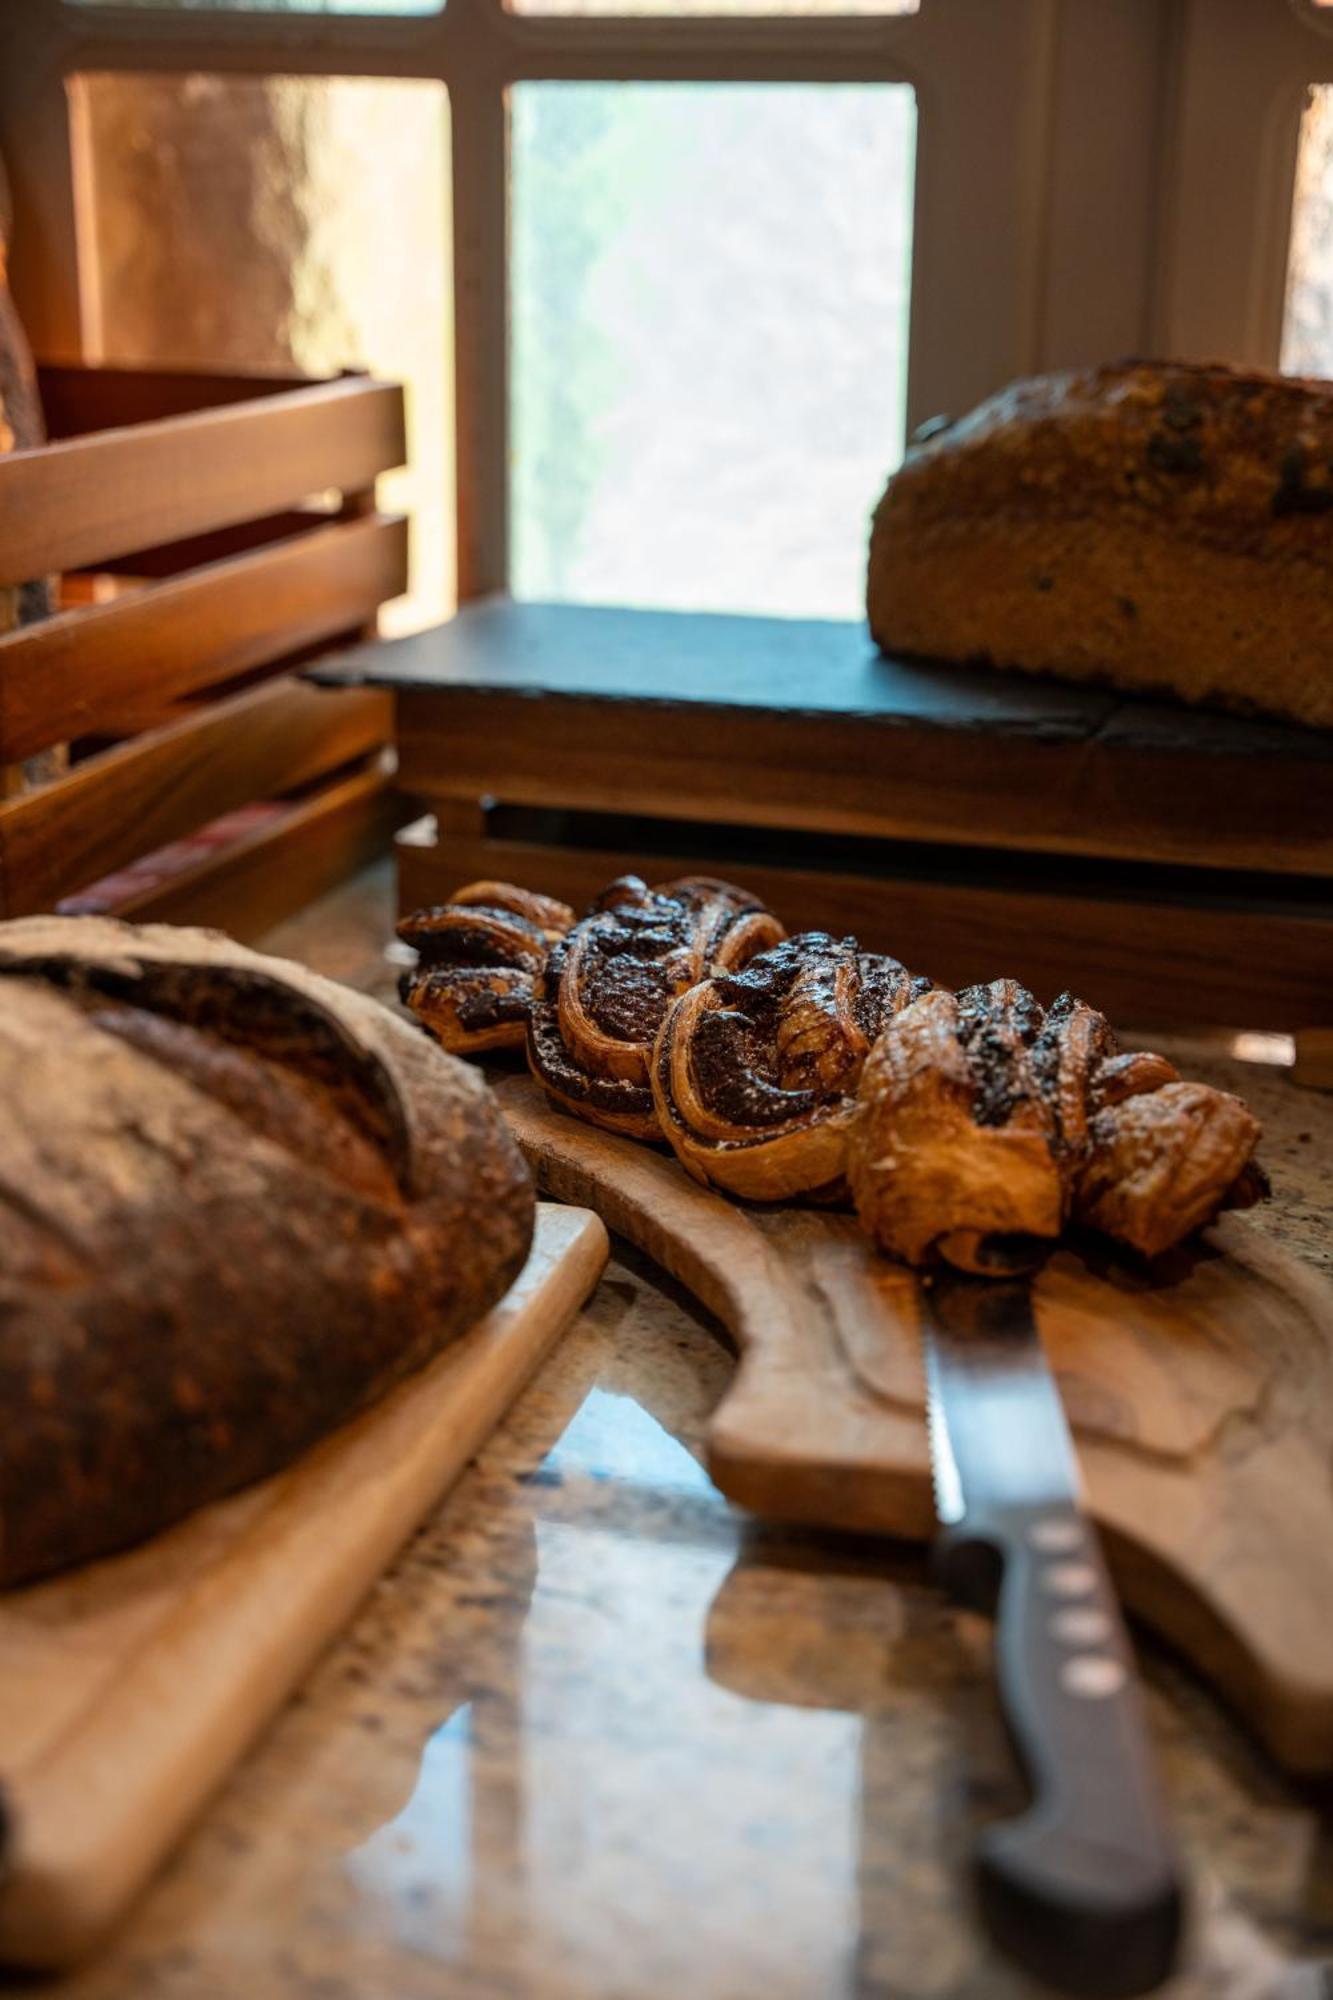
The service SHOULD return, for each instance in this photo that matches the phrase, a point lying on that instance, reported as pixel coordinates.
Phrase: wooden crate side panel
(1158, 962)
(91, 670)
(139, 796)
(269, 875)
(843, 773)
(71, 505)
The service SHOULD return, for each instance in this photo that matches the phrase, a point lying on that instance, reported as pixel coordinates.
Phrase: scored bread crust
(1162, 527)
(237, 1203)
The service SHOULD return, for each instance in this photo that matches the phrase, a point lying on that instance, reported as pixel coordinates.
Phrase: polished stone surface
(596, 1736)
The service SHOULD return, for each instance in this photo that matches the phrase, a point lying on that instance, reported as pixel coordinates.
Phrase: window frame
(1066, 206)
(1243, 78)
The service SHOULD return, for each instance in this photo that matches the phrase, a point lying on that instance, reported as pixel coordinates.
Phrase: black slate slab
(786, 666)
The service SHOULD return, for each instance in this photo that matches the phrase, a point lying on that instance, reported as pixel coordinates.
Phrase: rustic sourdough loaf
(1161, 526)
(237, 1202)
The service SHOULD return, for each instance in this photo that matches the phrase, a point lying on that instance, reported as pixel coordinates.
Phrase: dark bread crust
(1155, 525)
(237, 1203)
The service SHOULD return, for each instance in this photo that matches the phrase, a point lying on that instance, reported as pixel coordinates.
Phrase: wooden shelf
(801, 724)
(765, 742)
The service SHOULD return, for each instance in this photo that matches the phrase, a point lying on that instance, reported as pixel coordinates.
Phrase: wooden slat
(77, 400)
(171, 558)
(268, 875)
(74, 504)
(1161, 962)
(143, 716)
(86, 670)
(143, 794)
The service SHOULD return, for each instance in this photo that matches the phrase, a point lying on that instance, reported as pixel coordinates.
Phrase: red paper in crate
(156, 870)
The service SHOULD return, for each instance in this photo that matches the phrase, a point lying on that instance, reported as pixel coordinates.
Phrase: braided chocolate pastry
(755, 1072)
(480, 957)
(984, 1124)
(610, 981)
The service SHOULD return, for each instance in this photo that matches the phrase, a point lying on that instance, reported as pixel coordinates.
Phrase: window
(703, 417)
(670, 280)
(1245, 251)
(1307, 331)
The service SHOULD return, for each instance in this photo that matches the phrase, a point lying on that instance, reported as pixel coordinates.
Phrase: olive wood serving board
(128, 1688)
(1199, 1394)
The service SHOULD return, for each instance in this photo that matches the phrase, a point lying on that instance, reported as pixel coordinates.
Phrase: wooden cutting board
(1200, 1398)
(128, 1689)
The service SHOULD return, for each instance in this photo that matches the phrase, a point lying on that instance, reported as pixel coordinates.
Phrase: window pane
(231, 222)
(1307, 331)
(709, 322)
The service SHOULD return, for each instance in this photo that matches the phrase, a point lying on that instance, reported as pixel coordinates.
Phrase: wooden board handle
(242, 1597)
(1196, 1396)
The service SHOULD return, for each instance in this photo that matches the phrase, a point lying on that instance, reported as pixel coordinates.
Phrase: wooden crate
(212, 533)
(1175, 866)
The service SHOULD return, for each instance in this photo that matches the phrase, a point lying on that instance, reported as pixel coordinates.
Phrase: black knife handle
(1084, 1888)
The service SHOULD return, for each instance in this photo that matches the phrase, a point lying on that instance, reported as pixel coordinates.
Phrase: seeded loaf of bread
(1163, 527)
(237, 1203)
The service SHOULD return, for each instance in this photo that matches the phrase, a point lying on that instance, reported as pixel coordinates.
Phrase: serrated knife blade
(1084, 1888)
(998, 1433)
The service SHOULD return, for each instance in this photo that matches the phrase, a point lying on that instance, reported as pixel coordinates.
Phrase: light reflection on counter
(611, 1777)
(1257, 1048)
(614, 1437)
(424, 1855)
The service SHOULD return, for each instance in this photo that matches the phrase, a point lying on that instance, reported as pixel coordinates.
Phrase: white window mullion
(477, 85)
(983, 79)
(1241, 79)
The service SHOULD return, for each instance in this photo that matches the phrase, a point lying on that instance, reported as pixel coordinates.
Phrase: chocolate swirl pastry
(480, 955)
(609, 982)
(755, 1072)
(985, 1123)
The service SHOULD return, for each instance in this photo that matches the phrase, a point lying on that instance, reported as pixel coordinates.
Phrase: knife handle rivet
(1080, 1625)
(1056, 1535)
(1069, 1579)
(1092, 1676)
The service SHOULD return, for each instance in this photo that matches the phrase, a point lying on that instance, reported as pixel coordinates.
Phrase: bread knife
(1084, 1888)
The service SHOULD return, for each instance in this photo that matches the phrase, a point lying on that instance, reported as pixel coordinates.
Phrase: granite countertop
(597, 1736)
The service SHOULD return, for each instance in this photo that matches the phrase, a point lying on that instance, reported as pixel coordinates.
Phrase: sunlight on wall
(227, 222)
